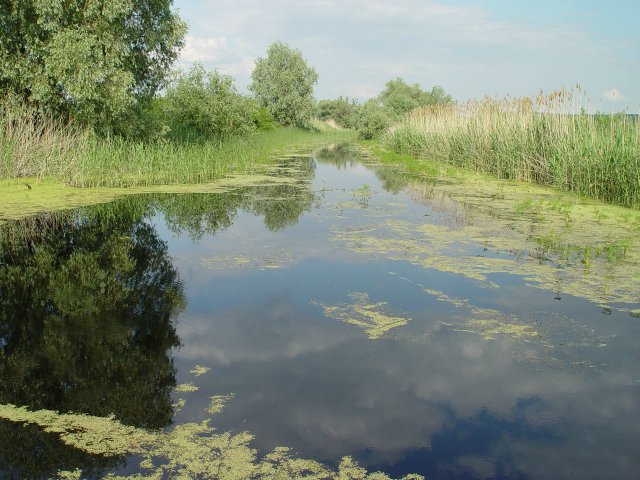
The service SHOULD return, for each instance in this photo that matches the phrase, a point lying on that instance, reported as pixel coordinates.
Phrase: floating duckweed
(187, 387)
(192, 450)
(254, 260)
(179, 404)
(95, 435)
(604, 274)
(199, 370)
(497, 325)
(17, 201)
(443, 297)
(361, 313)
(218, 403)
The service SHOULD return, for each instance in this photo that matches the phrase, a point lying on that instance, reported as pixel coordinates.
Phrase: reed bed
(35, 146)
(32, 146)
(548, 140)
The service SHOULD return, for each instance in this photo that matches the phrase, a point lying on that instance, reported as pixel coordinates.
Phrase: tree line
(107, 65)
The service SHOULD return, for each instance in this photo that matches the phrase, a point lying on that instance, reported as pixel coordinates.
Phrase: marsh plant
(43, 147)
(550, 140)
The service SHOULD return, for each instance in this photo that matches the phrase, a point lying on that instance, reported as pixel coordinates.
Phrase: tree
(372, 120)
(283, 84)
(207, 104)
(398, 97)
(341, 110)
(92, 60)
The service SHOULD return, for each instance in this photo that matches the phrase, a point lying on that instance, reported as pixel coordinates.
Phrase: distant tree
(283, 84)
(341, 110)
(91, 60)
(398, 97)
(201, 103)
(372, 120)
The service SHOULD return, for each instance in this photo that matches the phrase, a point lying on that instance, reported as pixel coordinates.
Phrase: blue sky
(471, 49)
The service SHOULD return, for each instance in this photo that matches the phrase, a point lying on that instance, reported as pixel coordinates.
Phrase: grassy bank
(55, 151)
(535, 140)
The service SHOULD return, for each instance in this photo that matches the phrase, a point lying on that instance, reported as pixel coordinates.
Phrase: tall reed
(34, 146)
(548, 140)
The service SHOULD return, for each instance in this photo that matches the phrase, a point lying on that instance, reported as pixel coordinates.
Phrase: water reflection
(92, 306)
(87, 308)
(88, 303)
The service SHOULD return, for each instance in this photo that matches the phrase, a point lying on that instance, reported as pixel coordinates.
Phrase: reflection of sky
(423, 398)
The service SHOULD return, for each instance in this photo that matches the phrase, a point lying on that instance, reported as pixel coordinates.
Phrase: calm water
(338, 312)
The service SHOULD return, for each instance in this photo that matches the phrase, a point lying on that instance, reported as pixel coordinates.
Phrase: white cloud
(614, 95)
(202, 49)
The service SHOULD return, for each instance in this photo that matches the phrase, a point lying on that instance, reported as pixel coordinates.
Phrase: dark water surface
(338, 313)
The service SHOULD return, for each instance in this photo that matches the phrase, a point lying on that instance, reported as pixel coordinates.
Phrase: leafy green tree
(341, 110)
(207, 104)
(372, 120)
(92, 60)
(398, 97)
(283, 84)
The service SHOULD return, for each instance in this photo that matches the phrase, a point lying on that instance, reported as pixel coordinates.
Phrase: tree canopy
(207, 104)
(91, 59)
(283, 84)
(399, 97)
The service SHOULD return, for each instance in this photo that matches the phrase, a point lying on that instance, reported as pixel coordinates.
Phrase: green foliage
(263, 119)
(371, 120)
(57, 151)
(202, 104)
(283, 84)
(342, 110)
(534, 140)
(91, 61)
(398, 97)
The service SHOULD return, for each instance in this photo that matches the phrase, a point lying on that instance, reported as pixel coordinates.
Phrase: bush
(371, 120)
(201, 104)
(342, 110)
(263, 119)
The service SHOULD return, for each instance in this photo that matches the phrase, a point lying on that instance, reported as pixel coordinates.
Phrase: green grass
(49, 149)
(535, 140)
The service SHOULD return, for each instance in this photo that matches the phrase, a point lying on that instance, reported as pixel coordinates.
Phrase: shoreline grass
(542, 141)
(47, 149)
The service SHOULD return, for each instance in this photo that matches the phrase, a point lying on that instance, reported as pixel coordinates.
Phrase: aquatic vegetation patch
(179, 404)
(251, 260)
(218, 402)
(360, 312)
(94, 435)
(24, 197)
(488, 322)
(190, 450)
(199, 370)
(187, 387)
(596, 261)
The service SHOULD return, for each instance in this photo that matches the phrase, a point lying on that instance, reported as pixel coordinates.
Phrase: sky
(470, 48)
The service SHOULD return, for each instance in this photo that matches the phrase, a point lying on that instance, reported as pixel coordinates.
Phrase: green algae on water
(191, 450)
(256, 260)
(187, 387)
(199, 370)
(361, 313)
(218, 403)
(17, 201)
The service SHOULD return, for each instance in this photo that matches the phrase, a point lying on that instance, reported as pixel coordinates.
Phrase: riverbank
(57, 152)
(539, 140)
(101, 172)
